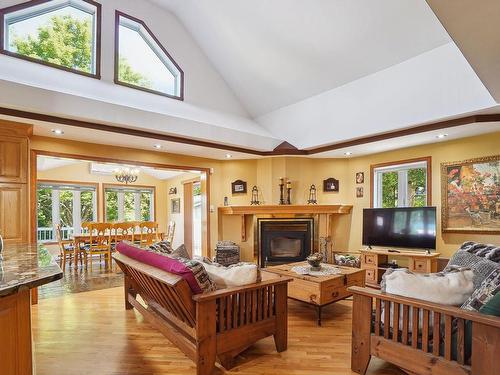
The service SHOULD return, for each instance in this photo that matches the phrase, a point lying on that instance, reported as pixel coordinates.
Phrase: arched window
(141, 61)
(64, 34)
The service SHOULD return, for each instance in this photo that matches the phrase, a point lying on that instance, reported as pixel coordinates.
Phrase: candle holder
(288, 192)
(312, 195)
(282, 186)
(255, 197)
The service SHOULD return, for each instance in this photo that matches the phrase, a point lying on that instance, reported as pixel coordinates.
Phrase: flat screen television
(408, 227)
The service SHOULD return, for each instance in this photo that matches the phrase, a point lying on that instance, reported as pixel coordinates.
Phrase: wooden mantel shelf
(326, 210)
(286, 209)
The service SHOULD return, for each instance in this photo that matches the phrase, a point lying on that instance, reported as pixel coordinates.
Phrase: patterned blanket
(487, 251)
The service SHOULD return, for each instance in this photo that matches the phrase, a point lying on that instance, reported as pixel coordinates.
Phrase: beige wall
(177, 182)
(265, 173)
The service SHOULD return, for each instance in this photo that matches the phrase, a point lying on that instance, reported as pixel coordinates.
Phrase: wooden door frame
(205, 174)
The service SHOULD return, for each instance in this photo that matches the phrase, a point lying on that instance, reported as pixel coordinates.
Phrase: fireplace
(284, 240)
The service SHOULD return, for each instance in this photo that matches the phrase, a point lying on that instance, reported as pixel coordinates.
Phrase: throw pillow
(200, 274)
(161, 247)
(234, 275)
(480, 266)
(492, 307)
(447, 288)
(180, 252)
(489, 288)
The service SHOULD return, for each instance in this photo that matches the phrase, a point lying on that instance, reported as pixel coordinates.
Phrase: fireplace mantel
(323, 210)
(286, 209)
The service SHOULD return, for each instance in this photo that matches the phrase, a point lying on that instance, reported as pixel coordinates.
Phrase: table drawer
(370, 259)
(371, 276)
(420, 265)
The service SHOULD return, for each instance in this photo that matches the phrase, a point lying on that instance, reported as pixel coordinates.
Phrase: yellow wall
(450, 151)
(265, 173)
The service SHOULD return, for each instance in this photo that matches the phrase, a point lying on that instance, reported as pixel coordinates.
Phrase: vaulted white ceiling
(276, 53)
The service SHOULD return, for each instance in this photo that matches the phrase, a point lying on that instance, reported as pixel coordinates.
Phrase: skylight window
(142, 62)
(59, 33)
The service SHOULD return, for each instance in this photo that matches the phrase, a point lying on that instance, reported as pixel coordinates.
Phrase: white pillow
(450, 288)
(232, 276)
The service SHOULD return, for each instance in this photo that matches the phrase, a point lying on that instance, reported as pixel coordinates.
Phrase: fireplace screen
(283, 247)
(284, 240)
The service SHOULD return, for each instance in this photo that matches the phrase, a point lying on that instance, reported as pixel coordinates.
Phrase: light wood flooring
(92, 333)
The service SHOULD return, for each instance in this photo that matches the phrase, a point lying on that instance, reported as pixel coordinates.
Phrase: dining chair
(170, 232)
(148, 233)
(66, 249)
(123, 231)
(100, 242)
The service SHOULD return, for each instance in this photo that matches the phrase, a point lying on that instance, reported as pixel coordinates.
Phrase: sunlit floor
(92, 333)
(82, 279)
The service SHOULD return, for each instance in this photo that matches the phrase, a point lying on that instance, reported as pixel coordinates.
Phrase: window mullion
(56, 215)
(403, 188)
(77, 212)
(137, 205)
(121, 205)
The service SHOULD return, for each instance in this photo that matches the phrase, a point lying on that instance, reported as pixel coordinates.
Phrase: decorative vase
(314, 261)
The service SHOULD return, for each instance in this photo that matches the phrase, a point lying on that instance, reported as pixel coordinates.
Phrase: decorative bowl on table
(314, 261)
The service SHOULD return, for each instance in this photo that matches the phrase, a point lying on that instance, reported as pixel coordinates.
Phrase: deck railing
(46, 234)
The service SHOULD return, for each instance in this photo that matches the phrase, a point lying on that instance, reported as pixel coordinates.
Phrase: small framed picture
(330, 184)
(359, 192)
(175, 205)
(239, 187)
(360, 177)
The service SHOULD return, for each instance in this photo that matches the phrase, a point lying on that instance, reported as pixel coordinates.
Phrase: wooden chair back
(99, 237)
(148, 233)
(170, 232)
(123, 231)
(86, 225)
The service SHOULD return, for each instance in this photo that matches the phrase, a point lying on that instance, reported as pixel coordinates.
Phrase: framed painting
(239, 187)
(470, 196)
(175, 205)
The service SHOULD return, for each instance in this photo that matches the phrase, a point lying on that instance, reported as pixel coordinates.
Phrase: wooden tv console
(373, 261)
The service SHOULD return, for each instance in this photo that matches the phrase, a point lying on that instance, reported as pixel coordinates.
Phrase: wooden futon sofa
(449, 340)
(207, 326)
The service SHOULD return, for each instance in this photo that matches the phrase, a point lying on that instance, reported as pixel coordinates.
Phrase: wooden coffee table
(319, 291)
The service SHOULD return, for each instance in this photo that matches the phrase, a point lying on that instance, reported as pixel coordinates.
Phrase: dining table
(82, 239)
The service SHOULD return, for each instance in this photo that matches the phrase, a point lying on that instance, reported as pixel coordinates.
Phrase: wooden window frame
(117, 81)
(98, 19)
(426, 159)
(138, 187)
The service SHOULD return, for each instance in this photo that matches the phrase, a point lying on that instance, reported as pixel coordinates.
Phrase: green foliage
(87, 206)
(417, 194)
(128, 75)
(390, 189)
(66, 208)
(111, 206)
(44, 207)
(145, 206)
(64, 41)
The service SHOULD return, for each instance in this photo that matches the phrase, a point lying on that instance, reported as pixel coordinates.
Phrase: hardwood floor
(92, 333)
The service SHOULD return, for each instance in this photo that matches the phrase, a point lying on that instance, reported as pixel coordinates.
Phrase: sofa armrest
(456, 312)
(230, 291)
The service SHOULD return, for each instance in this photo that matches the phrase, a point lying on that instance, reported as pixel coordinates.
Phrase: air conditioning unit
(101, 168)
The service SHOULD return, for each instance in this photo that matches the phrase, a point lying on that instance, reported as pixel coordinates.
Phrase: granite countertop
(26, 266)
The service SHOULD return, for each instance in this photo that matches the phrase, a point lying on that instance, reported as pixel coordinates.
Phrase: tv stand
(373, 259)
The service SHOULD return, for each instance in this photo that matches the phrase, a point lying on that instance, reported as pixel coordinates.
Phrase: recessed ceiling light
(348, 153)
(440, 136)
(157, 146)
(57, 131)
(229, 156)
